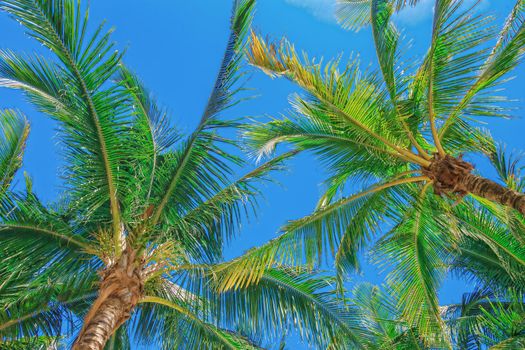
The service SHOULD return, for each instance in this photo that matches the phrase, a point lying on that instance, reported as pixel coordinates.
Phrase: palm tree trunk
(454, 176)
(493, 191)
(120, 290)
(112, 312)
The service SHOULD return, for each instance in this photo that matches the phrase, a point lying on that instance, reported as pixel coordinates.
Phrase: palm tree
(399, 134)
(136, 241)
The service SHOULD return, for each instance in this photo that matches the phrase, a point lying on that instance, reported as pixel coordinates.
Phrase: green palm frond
(223, 93)
(36, 343)
(378, 311)
(283, 298)
(218, 218)
(350, 100)
(92, 117)
(199, 144)
(184, 329)
(36, 306)
(14, 132)
(27, 219)
(487, 251)
(290, 296)
(417, 252)
(152, 135)
(306, 239)
(487, 320)
(506, 54)
(39, 77)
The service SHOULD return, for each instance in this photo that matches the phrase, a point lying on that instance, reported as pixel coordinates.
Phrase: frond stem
(56, 235)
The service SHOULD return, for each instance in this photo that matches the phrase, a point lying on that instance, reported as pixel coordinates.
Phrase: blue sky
(176, 47)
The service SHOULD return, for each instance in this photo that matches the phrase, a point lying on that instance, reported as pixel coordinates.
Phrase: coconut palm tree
(133, 246)
(395, 140)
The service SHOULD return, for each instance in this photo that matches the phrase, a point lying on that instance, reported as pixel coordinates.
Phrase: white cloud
(321, 9)
(425, 10)
(325, 10)
(417, 14)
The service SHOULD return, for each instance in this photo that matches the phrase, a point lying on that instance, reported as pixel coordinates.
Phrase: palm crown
(401, 132)
(135, 245)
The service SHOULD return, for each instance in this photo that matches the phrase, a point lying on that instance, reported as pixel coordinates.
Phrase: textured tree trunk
(111, 313)
(493, 191)
(120, 290)
(453, 176)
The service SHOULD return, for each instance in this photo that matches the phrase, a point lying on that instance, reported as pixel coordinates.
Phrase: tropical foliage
(132, 247)
(132, 252)
(393, 142)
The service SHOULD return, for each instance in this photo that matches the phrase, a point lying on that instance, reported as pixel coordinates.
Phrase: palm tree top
(400, 133)
(136, 243)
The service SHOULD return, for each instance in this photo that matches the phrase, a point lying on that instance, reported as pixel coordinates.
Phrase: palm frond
(14, 130)
(217, 219)
(151, 135)
(302, 241)
(417, 251)
(350, 99)
(198, 144)
(505, 55)
(223, 93)
(197, 333)
(92, 114)
(36, 343)
(32, 305)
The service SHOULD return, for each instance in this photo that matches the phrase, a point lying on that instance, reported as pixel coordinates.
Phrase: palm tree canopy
(400, 132)
(135, 242)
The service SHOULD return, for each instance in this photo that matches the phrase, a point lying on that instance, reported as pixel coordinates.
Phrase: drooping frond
(14, 130)
(39, 245)
(183, 329)
(303, 240)
(283, 298)
(416, 251)
(26, 219)
(488, 320)
(379, 313)
(32, 305)
(350, 99)
(286, 296)
(488, 252)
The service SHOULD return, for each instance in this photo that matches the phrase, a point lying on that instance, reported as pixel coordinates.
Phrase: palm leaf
(13, 137)
(198, 143)
(92, 116)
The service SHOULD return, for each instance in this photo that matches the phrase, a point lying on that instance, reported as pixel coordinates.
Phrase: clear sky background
(176, 47)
